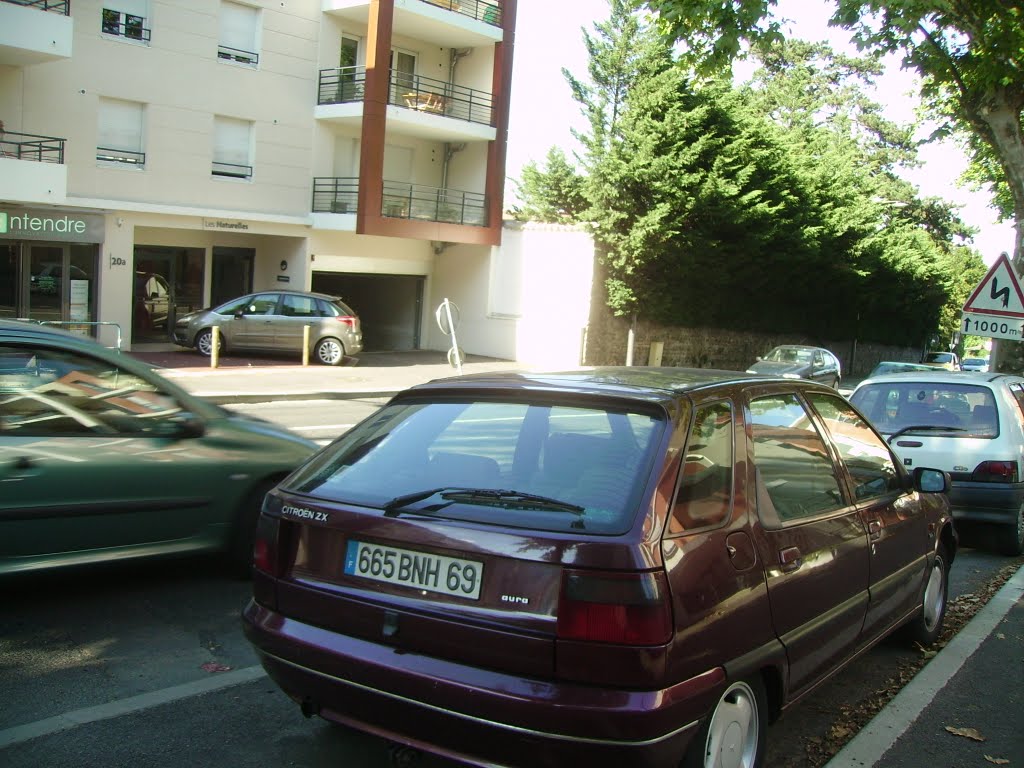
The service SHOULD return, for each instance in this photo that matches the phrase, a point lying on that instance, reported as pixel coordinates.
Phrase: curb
(885, 729)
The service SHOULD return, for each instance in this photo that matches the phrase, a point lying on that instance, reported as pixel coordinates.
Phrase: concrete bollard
(654, 356)
(305, 345)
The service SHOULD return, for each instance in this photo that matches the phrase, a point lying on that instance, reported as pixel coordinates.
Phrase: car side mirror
(240, 313)
(931, 480)
(184, 426)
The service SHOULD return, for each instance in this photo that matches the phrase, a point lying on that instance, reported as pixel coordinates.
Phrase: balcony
(34, 31)
(461, 24)
(423, 203)
(425, 107)
(32, 168)
(402, 200)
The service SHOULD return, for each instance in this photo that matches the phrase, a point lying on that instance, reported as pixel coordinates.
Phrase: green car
(102, 459)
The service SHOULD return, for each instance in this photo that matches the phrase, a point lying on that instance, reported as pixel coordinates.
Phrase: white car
(974, 364)
(969, 424)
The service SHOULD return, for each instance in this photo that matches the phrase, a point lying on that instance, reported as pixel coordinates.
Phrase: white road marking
(68, 720)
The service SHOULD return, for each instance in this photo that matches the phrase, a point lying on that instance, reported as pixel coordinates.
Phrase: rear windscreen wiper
(924, 428)
(491, 496)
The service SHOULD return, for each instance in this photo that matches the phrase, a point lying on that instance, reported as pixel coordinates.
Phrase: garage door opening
(389, 306)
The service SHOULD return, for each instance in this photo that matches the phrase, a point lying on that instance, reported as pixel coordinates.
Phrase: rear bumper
(476, 716)
(986, 502)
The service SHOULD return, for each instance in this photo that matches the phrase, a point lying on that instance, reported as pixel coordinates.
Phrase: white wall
(527, 301)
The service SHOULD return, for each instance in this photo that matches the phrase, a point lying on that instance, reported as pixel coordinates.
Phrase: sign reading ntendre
(996, 307)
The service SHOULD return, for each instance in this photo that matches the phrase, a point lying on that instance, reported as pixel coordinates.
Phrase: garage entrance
(389, 306)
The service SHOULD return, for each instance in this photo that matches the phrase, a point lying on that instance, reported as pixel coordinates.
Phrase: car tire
(734, 732)
(1012, 536)
(204, 342)
(329, 351)
(243, 530)
(926, 627)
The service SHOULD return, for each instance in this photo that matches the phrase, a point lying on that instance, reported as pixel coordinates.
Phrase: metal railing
(339, 85)
(131, 28)
(110, 155)
(237, 54)
(54, 6)
(488, 11)
(418, 201)
(80, 325)
(232, 170)
(437, 97)
(29, 146)
(335, 194)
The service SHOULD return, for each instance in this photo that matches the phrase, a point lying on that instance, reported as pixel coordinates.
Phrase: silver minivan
(275, 321)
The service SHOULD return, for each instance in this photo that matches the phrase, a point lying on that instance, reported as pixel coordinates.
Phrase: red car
(622, 566)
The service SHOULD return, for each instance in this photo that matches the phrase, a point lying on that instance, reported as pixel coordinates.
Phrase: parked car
(273, 321)
(613, 566)
(946, 360)
(105, 460)
(969, 425)
(890, 366)
(796, 362)
(152, 301)
(979, 364)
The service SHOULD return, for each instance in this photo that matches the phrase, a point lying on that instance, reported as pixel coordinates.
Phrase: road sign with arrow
(996, 307)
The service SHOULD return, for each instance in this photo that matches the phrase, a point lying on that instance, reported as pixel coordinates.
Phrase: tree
(968, 53)
(552, 194)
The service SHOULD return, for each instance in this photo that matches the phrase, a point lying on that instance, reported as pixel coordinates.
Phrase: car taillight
(995, 472)
(610, 607)
(346, 320)
(266, 546)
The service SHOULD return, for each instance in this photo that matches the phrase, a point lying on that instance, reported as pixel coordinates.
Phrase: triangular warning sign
(998, 293)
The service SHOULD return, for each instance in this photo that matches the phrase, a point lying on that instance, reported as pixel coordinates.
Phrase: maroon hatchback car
(622, 566)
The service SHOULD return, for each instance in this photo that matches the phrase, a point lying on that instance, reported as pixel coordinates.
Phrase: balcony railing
(110, 155)
(236, 54)
(339, 85)
(28, 146)
(335, 195)
(54, 6)
(232, 170)
(132, 27)
(402, 201)
(437, 97)
(488, 11)
(417, 201)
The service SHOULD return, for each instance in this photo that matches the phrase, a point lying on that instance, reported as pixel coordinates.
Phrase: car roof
(942, 376)
(632, 382)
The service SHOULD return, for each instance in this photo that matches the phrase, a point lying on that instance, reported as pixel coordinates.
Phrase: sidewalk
(976, 683)
(248, 380)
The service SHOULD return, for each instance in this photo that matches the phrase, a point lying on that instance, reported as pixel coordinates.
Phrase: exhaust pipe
(309, 707)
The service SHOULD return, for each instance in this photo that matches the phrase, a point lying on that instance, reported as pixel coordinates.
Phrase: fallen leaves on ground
(997, 760)
(819, 750)
(212, 666)
(967, 733)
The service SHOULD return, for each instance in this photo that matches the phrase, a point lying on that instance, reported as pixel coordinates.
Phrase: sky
(543, 113)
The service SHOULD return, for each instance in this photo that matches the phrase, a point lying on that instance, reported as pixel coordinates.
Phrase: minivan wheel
(329, 351)
(1012, 535)
(927, 625)
(204, 342)
(734, 734)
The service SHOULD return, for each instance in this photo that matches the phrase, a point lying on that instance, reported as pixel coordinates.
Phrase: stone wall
(607, 338)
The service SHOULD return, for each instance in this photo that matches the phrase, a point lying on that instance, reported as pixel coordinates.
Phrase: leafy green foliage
(552, 194)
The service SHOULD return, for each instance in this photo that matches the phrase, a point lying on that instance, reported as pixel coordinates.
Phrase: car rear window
(594, 458)
(966, 410)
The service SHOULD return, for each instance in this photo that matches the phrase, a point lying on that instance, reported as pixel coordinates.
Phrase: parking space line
(68, 720)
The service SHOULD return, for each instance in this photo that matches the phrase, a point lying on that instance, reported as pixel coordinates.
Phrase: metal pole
(214, 346)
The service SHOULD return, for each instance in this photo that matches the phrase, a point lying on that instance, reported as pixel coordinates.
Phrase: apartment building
(159, 156)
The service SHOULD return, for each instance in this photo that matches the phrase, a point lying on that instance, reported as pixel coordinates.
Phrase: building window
(232, 148)
(119, 134)
(127, 20)
(239, 34)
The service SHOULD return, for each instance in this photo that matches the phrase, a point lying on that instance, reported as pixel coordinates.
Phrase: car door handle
(875, 529)
(791, 559)
(23, 463)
